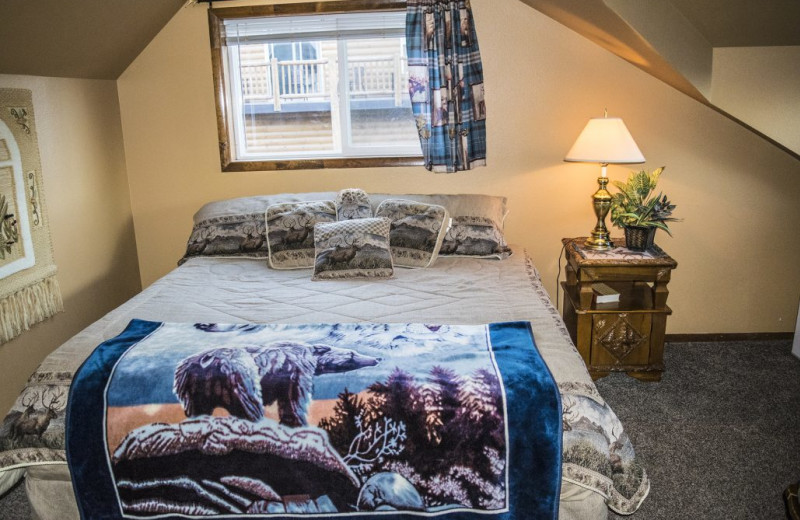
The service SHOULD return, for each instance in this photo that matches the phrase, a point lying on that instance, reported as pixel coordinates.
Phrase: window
(313, 88)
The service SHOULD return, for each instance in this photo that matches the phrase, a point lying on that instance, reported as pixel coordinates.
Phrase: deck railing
(307, 80)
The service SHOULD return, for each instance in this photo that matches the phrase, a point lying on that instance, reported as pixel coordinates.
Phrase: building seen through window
(318, 86)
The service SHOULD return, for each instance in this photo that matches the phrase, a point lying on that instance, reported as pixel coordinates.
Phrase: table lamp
(604, 140)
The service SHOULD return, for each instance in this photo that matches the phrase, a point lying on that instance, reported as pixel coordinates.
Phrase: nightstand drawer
(620, 339)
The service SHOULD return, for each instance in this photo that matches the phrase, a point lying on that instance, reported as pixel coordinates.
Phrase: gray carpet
(14, 504)
(719, 435)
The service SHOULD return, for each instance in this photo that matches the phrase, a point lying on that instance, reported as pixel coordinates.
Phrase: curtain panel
(446, 84)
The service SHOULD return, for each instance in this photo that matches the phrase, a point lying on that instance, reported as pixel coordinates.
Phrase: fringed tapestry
(446, 84)
(29, 291)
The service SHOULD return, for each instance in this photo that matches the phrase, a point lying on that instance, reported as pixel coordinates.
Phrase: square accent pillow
(476, 237)
(417, 231)
(353, 249)
(353, 203)
(290, 232)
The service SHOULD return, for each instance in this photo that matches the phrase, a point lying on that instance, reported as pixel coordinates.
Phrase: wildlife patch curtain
(29, 292)
(446, 84)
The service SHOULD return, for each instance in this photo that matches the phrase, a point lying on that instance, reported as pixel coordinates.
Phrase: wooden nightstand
(627, 336)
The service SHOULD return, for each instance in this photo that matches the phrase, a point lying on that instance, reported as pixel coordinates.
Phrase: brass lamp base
(598, 242)
(600, 238)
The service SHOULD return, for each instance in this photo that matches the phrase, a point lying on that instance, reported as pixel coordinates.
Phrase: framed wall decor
(29, 291)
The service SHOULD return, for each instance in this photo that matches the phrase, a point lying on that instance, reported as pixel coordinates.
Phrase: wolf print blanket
(239, 421)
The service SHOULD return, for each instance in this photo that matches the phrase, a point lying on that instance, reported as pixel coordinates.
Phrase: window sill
(317, 164)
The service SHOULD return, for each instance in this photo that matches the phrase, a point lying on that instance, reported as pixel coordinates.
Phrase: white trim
(28, 259)
(345, 27)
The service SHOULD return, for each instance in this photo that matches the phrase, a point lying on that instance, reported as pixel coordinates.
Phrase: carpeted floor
(719, 435)
(14, 504)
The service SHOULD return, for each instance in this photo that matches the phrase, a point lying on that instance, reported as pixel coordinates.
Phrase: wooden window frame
(216, 17)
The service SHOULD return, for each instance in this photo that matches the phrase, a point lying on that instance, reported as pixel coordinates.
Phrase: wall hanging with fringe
(29, 291)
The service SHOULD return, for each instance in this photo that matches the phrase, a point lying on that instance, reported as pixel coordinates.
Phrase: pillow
(475, 236)
(458, 205)
(353, 249)
(474, 217)
(417, 231)
(229, 235)
(236, 227)
(353, 203)
(214, 235)
(290, 232)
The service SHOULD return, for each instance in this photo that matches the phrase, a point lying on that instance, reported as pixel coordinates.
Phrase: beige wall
(760, 86)
(86, 191)
(736, 249)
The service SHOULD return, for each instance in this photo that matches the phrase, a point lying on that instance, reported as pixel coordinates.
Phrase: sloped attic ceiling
(673, 40)
(680, 42)
(93, 39)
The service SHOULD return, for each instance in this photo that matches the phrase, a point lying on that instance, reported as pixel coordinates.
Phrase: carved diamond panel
(620, 339)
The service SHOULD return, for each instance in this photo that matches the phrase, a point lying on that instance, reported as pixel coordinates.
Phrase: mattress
(453, 291)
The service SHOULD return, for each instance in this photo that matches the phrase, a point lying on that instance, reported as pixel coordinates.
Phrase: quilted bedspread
(597, 453)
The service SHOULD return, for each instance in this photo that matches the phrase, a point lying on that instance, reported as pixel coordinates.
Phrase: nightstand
(625, 336)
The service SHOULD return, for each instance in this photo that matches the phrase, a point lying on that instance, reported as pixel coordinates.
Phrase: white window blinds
(384, 24)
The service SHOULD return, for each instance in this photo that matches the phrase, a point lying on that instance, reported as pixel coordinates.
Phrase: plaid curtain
(446, 84)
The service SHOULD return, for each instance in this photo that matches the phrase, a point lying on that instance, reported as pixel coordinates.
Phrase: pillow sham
(417, 230)
(229, 235)
(475, 236)
(290, 232)
(474, 217)
(352, 249)
(492, 207)
(222, 227)
(352, 203)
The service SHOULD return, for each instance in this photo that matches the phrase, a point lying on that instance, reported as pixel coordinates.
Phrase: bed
(229, 280)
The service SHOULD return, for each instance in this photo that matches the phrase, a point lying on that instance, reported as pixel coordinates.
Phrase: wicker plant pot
(639, 238)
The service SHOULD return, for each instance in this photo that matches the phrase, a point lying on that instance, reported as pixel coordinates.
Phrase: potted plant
(638, 212)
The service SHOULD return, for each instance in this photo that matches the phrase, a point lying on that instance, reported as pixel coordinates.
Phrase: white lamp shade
(605, 140)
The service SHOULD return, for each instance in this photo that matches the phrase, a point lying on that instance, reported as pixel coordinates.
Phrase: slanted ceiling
(673, 40)
(744, 23)
(93, 39)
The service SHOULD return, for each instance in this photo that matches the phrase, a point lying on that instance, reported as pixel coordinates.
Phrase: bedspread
(597, 453)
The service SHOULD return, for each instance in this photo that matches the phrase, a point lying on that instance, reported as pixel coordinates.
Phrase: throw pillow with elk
(353, 249)
(290, 232)
(352, 203)
(476, 237)
(417, 231)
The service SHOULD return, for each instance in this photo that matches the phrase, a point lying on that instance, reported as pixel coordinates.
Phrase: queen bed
(224, 282)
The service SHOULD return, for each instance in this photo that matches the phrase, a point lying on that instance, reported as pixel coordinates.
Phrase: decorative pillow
(229, 235)
(475, 217)
(417, 231)
(353, 203)
(290, 232)
(353, 249)
(492, 207)
(475, 236)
